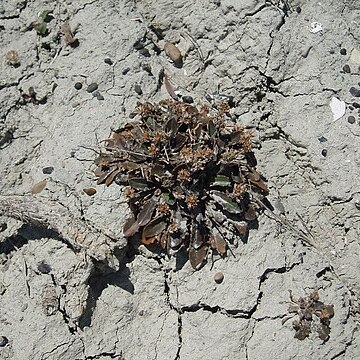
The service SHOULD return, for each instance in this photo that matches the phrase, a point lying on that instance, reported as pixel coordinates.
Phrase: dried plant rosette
(183, 169)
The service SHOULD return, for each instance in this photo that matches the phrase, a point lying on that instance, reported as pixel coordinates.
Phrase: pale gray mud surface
(64, 296)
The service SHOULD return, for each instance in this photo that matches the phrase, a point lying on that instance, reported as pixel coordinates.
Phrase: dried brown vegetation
(308, 309)
(181, 167)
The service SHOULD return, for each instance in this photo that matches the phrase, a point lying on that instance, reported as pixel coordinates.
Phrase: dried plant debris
(313, 315)
(184, 170)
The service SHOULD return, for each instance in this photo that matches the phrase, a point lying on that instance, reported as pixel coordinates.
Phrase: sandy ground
(66, 296)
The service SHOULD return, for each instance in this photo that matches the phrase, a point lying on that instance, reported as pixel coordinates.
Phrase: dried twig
(49, 214)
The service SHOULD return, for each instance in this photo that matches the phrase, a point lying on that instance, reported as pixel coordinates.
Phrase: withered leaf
(169, 88)
(138, 183)
(131, 227)
(260, 184)
(38, 187)
(146, 212)
(218, 243)
(198, 257)
(226, 202)
(250, 214)
(110, 178)
(155, 227)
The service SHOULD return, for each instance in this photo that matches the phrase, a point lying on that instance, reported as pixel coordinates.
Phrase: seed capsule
(173, 53)
(12, 58)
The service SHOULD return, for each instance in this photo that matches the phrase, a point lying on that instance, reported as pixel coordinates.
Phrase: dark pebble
(3, 341)
(350, 107)
(95, 93)
(331, 51)
(187, 99)
(322, 139)
(78, 85)
(298, 9)
(356, 105)
(324, 152)
(354, 91)
(125, 71)
(138, 89)
(351, 119)
(108, 61)
(44, 268)
(132, 115)
(144, 52)
(99, 97)
(346, 68)
(47, 170)
(92, 87)
(343, 51)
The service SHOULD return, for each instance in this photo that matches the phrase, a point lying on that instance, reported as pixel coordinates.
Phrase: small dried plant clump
(183, 169)
(308, 309)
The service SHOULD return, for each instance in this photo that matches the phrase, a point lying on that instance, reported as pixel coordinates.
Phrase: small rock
(95, 93)
(346, 68)
(298, 9)
(89, 191)
(356, 105)
(3, 341)
(351, 119)
(125, 71)
(108, 61)
(78, 85)
(324, 152)
(99, 97)
(132, 115)
(343, 51)
(219, 277)
(138, 89)
(322, 139)
(144, 52)
(47, 170)
(43, 267)
(354, 92)
(92, 87)
(187, 99)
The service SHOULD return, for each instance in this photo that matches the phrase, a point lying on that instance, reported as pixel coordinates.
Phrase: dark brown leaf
(146, 212)
(198, 257)
(131, 227)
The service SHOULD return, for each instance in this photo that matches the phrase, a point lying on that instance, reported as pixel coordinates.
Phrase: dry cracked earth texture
(69, 286)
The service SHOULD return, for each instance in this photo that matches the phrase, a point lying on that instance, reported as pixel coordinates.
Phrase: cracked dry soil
(69, 286)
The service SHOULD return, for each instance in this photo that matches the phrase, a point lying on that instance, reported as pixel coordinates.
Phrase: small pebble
(95, 93)
(298, 9)
(324, 152)
(125, 71)
(3, 341)
(47, 170)
(351, 119)
(356, 105)
(44, 268)
(346, 68)
(89, 191)
(219, 277)
(322, 139)
(108, 61)
(138, 89)
(343, 51)
(99, 97)
(187, 99)
(132, 115)
(144, 52)
(354, 91)
(351, 107)
(331, 51)
(92, 87)
(78, 85)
